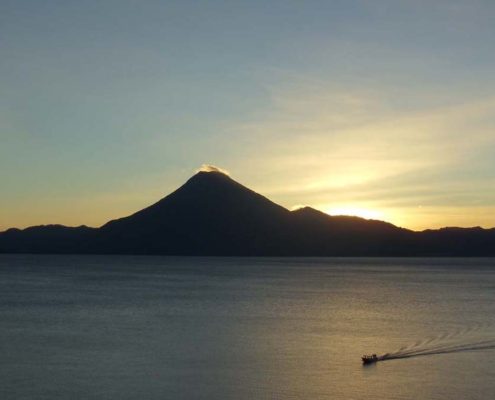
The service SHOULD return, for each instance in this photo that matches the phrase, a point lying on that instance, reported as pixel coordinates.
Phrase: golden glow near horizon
(97, 210)
(355, 211)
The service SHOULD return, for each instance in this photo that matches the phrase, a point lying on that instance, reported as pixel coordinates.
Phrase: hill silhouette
(213, 215)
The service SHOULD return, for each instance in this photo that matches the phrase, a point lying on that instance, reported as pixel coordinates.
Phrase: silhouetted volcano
(211, 214)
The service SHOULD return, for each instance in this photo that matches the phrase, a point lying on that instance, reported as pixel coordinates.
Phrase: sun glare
(356, 212)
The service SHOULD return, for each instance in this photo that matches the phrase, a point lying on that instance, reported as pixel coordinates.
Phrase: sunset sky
(384, 109)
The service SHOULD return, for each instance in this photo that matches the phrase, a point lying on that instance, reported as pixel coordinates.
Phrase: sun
(355, 211)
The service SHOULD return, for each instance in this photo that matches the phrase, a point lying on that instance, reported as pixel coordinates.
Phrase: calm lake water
(107, 327)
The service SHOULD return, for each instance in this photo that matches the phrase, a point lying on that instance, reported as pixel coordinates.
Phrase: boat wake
(440, 349)
(451, 342)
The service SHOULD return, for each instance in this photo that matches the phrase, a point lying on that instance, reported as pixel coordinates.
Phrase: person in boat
(369, 359)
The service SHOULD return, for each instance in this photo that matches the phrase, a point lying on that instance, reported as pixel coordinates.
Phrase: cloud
(212, 168)
(422, 157)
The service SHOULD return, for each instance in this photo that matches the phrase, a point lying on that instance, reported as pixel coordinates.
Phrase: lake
(115, 327)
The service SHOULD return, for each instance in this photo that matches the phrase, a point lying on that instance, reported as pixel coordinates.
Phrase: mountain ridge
(211, 214)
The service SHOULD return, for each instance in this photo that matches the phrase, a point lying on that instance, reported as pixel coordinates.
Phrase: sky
(383, 109)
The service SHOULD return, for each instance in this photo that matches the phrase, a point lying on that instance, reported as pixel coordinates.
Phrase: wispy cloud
(212, 168)
(331, 147)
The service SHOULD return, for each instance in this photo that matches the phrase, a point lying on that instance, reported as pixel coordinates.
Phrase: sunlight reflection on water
(205, 328)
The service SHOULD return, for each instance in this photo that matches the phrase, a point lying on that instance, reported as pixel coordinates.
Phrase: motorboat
(369, 359)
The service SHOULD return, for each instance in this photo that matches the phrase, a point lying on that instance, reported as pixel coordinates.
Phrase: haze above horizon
(381, 109)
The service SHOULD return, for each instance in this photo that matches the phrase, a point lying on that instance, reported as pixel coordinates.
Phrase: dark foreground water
(84, 327)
